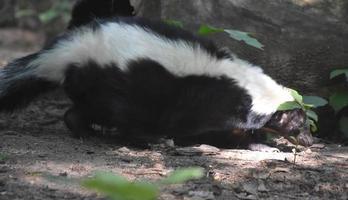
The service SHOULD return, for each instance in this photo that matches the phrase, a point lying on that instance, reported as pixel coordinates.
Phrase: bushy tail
(19, 85)
(85, 11)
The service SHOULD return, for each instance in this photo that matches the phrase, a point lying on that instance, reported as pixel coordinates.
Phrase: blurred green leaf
(344, 126)
(338, 72)
(235, 34)
(48, 16)
(339, 100)
(244, 36)
(183, 175)
(58, 9)
(119, 188)
(3, 157)
(313, 126)
(293, 140)
(207, 30)
(315, 101)
(175, 23)
(290, 105)
(312, 115)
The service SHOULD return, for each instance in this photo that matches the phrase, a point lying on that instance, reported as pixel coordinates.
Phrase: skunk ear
(84, 11)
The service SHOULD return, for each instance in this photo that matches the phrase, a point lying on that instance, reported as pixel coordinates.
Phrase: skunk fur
(149, 79)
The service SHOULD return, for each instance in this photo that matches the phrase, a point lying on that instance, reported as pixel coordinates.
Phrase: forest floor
(40, 160)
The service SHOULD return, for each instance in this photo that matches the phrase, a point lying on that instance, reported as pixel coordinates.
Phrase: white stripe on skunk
(120, 43)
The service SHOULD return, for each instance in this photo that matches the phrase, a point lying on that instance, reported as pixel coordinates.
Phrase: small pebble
(206, 195)
(262, 188)
(42, 155)
(4, 169)
(123, 150)
(90, 152)
(318, 146)
(64, 174)
(309, 151)
(10, 133)
(169, 143)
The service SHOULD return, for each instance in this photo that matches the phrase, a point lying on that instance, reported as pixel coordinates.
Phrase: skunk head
(292, 123)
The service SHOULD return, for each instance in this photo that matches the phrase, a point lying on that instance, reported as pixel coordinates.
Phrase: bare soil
(40, 160)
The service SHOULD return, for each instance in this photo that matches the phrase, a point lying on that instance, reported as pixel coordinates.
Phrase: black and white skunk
(150, 79)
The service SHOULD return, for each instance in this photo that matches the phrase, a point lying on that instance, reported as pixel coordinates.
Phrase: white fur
(121, 43)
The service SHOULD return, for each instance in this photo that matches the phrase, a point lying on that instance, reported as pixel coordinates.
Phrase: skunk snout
(292, 124)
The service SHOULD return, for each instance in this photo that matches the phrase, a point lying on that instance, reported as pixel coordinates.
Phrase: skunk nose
(305, 139)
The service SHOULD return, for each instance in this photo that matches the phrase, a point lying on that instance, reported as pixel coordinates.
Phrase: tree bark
(304, 40)
(7, 12)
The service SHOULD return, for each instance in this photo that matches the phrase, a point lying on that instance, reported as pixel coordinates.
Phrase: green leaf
(235, 34)
(207, 30)
(315, 101)
(175, 23)
(338, 101)
(338, 72)
(313, 126)
(3, 157)
(344, 126)
(312, 115)
(269, 137)
(119, 188)
(183, 175)
(244, 36)
(289, 105)
(48, 16)
(308, 106)
(293, 140)
(298, 98)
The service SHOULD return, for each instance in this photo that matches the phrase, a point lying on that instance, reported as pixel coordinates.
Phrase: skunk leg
(78, 125)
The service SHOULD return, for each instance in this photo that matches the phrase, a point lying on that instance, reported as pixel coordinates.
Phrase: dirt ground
(40, 160)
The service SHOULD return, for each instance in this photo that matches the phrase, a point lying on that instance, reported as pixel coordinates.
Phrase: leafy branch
(306, 103)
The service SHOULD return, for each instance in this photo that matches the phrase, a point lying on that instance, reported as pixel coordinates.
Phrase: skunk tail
(85, 11)
(19, 85)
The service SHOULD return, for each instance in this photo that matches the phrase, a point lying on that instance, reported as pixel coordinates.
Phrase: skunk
(150, 79)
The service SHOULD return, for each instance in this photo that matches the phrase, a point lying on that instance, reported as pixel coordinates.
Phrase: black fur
(148, 100)
(86, 11)
(19, 86)
(97, 93)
